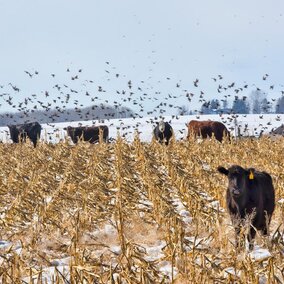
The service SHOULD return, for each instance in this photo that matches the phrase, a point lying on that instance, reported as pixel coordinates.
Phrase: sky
(161, 46)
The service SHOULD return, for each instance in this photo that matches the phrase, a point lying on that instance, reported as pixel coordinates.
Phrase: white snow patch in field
(5, 244)
(49, 274)
(154, 252)
(281, 201)
(11, 249)
(231, 271)
(61, 262)
(216, 205)
(197, 243)
(206, 167)
(115, 249)
(114, 189)
(109, 229)
(16, 247)
(145, 204)
(259, 254)
(166, 268)
(48, 199)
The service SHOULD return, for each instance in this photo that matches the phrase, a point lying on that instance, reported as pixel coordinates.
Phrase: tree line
(256, 103)
(95, 112)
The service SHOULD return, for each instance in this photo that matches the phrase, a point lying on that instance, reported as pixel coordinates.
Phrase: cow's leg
(251, 236)
(265, 231)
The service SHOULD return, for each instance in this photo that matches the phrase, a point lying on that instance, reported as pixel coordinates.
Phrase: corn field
(132, 213)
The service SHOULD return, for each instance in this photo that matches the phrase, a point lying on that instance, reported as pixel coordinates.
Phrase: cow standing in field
(278, 131)
(88, 133)
(20, 132)
(250, 196)
(163, 132)
(207, 129)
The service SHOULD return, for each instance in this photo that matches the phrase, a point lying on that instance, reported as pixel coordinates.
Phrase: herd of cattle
(249, 192)
(163, 131)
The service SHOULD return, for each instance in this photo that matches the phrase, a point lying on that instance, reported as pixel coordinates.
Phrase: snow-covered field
(162, 191)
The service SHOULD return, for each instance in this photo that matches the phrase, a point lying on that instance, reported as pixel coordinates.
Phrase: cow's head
(238, 178)
(162, 126)
(10, 126)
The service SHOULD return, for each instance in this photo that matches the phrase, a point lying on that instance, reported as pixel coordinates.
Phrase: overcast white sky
(149, 41)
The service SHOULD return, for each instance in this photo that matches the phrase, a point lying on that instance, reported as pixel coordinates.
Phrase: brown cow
(207, 129)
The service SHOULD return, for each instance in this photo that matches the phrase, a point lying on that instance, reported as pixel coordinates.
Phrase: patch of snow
(49, 274)
(145, 204)
(5, 244)
(166, 268)
(259, 254)
(116, 277)
(206, 167)
(109, 229)
(60, 262)
(112, 201)
(48, 199)
(216, 205)
(154, 252)
(197, 243)
(59, 177)
(231, 271)
(17, 247)
(115, 249)
(114, 189)
(281, 201)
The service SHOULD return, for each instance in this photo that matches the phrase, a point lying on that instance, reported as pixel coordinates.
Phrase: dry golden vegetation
(128, 212)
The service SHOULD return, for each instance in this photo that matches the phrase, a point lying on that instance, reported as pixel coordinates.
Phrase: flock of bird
(68, 97)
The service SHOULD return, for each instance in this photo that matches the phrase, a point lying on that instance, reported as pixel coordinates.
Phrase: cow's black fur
(20, 132)
(250, 194)
(91, 134)
(163, 132)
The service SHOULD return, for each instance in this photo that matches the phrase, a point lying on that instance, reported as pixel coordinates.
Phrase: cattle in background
(207, 129)
(250, 196)
(278, 131)
(20, 132)
(163, 132)
(88, 133)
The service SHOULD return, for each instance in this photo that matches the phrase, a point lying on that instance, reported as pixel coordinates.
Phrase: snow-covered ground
(247, 125)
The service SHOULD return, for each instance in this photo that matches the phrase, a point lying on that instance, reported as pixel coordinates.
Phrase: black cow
(163, 132)
(250, 196)
(88, 133)
(278, 131)
(20, 132)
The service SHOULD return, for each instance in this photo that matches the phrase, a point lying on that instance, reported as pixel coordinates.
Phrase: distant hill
(95, 112)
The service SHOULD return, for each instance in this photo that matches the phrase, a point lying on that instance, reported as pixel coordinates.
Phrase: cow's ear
(250, 173)
(223, 171)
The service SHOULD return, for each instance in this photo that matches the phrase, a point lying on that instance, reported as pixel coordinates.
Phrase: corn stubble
(56, 200)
